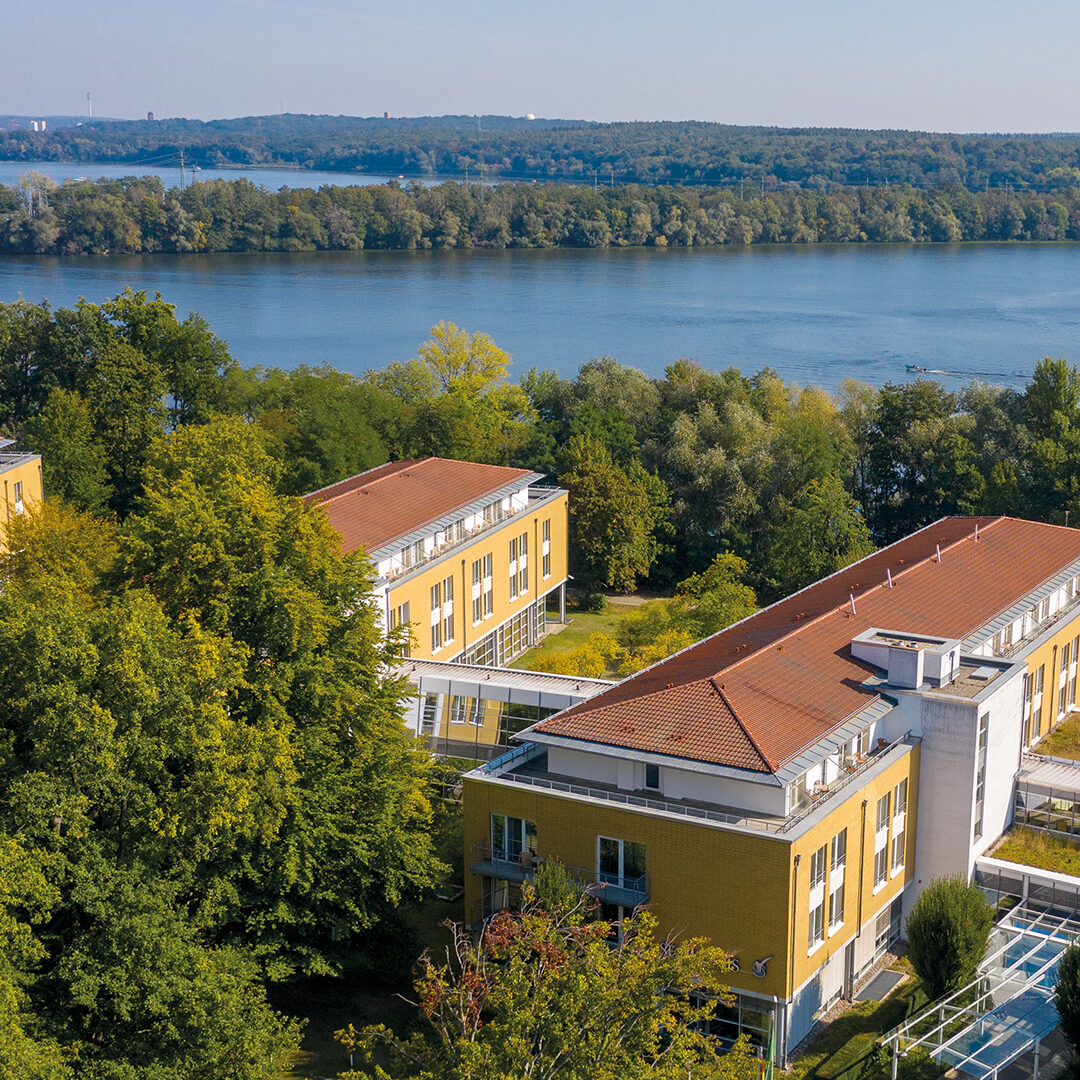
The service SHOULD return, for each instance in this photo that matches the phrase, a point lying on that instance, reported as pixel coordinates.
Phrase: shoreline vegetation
(141, 215)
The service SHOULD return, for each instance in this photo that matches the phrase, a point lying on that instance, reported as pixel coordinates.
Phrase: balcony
(606, 888)
(526, 764)
(537, 497)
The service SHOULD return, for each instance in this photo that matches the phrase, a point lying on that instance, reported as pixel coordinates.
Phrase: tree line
(138, 215)
(509, 148)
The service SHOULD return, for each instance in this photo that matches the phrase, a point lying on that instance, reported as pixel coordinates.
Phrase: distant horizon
(75, 118)
(969, 66)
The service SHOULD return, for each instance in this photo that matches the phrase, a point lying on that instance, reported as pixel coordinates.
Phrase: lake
(815, 314)
(272, 179)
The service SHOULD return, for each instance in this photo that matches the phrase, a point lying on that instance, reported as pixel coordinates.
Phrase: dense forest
(207, 794)
(686, 152)
(142, 215)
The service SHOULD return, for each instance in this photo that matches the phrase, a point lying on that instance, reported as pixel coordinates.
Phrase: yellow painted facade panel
(1048, 657)
(416, 590)
(21, 491)
(731, 886)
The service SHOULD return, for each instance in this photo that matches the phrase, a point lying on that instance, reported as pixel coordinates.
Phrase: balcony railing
(502, 768)
(607, 888)
(537, 496)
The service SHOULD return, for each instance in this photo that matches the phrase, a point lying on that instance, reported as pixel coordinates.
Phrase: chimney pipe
(888, 574)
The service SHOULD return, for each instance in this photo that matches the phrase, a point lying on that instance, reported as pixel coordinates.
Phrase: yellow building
(470, 556)
(21, 474)
(787, 787)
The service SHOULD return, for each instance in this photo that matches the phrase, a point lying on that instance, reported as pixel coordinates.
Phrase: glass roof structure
(1007, 1010)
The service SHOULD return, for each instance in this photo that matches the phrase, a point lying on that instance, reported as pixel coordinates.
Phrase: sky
(949, 65)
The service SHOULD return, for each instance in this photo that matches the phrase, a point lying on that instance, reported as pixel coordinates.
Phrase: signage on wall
(759, 967)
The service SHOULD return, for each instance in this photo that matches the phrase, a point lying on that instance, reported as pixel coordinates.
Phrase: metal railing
(518, 867)
(537, 496)
(499, 768)
(907, 739)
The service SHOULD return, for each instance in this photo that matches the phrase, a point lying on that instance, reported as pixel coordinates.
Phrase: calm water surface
(815, 314)
(272, 179)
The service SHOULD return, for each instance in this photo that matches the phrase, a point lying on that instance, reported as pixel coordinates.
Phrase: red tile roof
(758, 693)
(375, 507)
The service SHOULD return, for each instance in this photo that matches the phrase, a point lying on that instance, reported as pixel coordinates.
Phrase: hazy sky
(949, 65)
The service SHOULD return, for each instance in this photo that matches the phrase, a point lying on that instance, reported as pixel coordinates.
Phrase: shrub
(1067, 997)
(948, 929)
(594, 602)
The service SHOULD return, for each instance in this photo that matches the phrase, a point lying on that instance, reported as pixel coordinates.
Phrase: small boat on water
(920, 370)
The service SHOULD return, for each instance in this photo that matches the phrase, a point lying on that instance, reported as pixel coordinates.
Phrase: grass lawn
(1033, 847)
(331, 1004)
(1063, 741)
(582, 625)
(842, 1049)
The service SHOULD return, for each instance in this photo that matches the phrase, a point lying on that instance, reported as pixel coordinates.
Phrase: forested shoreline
(142, 215)
(517, 148)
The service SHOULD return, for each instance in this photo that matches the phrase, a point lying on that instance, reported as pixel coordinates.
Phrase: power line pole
(181, 170)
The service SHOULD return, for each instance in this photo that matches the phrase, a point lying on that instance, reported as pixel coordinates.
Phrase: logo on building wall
(761, 967)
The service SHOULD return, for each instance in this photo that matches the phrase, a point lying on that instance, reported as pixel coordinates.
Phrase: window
(1044, 609)
(883, 812)
(477, 590)
(546, 533)
(887, 927)
(818, 862)
(620, 862)
(511, 837)
(399, 616)
(652, 777)
(1029, 684)
(1037, 708)
(448, 610)
(817, 925)
(980, 781)
(489, 595)
(836, 907)
(429, 714)
(839, 849)
(1072, 669)
(898, 851)
(900, 797)
(513, 569)
(1063, 679)
(523, 565)
(881, 865)
(18, 492)
(458, 707)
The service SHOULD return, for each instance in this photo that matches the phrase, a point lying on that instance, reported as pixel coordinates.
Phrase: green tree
(543, 993)
(821, 532)
(948, 929)
(614, 516)
(1067, 998)
(72, 460)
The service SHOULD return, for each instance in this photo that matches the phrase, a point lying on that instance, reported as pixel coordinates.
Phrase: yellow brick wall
(416, 591)
(28, 473)
(849, 815)
(733, 887)
(1049, 657)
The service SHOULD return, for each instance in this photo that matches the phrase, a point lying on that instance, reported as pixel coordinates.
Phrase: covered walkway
(1007, 1011)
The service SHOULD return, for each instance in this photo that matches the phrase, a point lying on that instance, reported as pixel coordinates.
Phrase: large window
(1037, 706)
(511, 837)
(898, 843)
(817, 924)
(1072, 669)
(883, 812)
(399, 616)
(881, 865)
(547, 547)
(1063, 679)
(980, 777)
(818, 862)
(513, 569)
(900, 797)
(489, 593)
(620, 862)
(887, 927)
(839, 849)
(436, 617)
(523, 563)
(477, 590)
(836, 907)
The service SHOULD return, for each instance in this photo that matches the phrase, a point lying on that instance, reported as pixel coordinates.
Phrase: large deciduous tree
(615, 515)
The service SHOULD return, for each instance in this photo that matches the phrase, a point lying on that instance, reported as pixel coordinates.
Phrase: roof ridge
(766, 761)
(796, 630)
(403, 465)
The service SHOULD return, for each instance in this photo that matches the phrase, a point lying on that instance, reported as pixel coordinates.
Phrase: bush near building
(948, 929)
